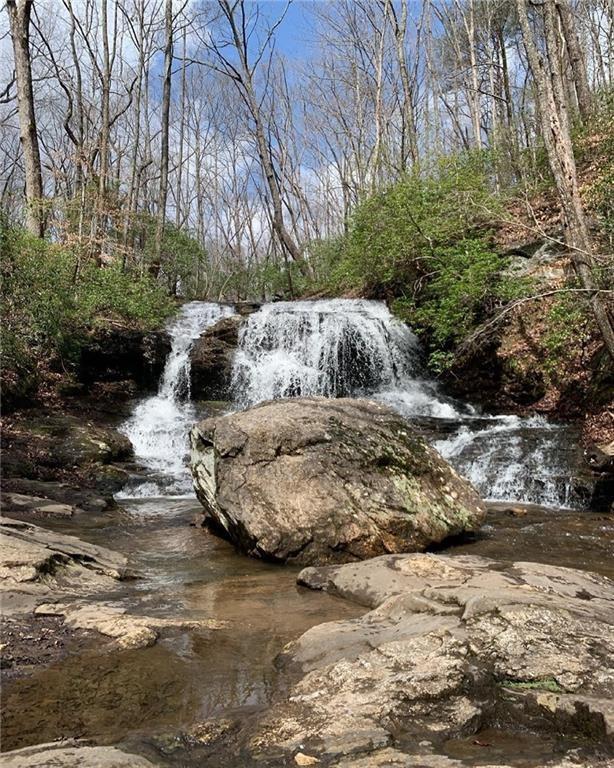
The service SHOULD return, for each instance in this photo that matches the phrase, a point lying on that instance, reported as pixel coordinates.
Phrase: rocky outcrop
(315, 480)
(57, 440)
(211, 359)
(38, 561)
(115, 353)
(42, 447)
(450, 646)
(72, 753)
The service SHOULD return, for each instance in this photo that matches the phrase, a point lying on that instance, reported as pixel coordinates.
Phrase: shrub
(395, 235)
(47, 310)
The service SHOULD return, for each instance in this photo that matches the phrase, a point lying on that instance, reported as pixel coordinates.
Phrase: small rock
(302, 759)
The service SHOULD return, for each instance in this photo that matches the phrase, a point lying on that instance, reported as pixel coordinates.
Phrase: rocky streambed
(429, 628)
(151, 641)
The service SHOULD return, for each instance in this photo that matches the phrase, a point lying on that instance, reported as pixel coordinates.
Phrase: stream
(150, 698)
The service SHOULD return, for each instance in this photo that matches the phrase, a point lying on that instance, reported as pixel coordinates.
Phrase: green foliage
(109, 291)
(463, 286)
(37, 306)
(424, 244)
(48, 304)
(466, 283)
(545, 684)
(395, 235)
(568, 327)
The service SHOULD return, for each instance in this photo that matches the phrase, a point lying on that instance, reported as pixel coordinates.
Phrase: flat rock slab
(71, 754)
(317, 480)
(78, 498)
(128, 631)
(30, 554)
(34, 505)
(450, 645)
(38, 565)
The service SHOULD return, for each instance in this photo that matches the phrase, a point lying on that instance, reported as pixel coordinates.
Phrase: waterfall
(158, 428)
(340, 348)
(332, 348)
(346, 347)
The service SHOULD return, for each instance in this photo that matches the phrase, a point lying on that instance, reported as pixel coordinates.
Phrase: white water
(342, 347)
(338, 348)
(332, 348)
(159, 425)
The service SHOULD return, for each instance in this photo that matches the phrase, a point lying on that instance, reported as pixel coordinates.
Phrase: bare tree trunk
(182, 122)
(409, 148)
(576, 57)
(19, 17)
(557, 139)
(166, 106)
(242, 75)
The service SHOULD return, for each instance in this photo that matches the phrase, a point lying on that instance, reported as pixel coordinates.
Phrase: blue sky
(296, 33)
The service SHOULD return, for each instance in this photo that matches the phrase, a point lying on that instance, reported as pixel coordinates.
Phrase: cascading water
(344, 347)
(159, 425)
(332, 348)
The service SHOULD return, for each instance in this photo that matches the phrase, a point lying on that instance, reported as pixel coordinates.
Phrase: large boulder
(451, 646)
(211, 359)
(315, 480)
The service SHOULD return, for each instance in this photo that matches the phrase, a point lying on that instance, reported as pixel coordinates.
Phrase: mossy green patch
(544, 684)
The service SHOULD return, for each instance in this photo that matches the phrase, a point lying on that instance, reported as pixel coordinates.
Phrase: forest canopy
(247, 150)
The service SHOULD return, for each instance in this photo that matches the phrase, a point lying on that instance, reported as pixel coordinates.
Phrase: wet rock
(108, 479)
(34, 505)
(450, 644)
(315, 481)
(211, 359)
(44, 442)
(78, 498)
(129, 631)
(115, 353)
(245, 308)
(36, 563)
(72, 753)
(393, 758)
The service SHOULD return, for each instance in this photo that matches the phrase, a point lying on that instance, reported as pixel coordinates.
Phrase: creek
(149, 699)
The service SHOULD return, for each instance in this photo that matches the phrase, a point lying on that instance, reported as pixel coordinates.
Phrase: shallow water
(190, 675)
(150, 698)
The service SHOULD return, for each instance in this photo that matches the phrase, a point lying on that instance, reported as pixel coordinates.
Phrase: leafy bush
(112, 292)
(394, 236)
(47, 309)
(569, 328)
(467, 281)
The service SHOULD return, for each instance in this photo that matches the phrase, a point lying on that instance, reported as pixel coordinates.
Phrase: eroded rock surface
(72, 754)
(450, 646)
(36, 559)
(211, 359)
(315, 480)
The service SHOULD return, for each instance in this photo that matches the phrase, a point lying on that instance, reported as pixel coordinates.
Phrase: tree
(242, 73)
(554, 118)
(576, 58)
(166, 107)
(19, 17)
